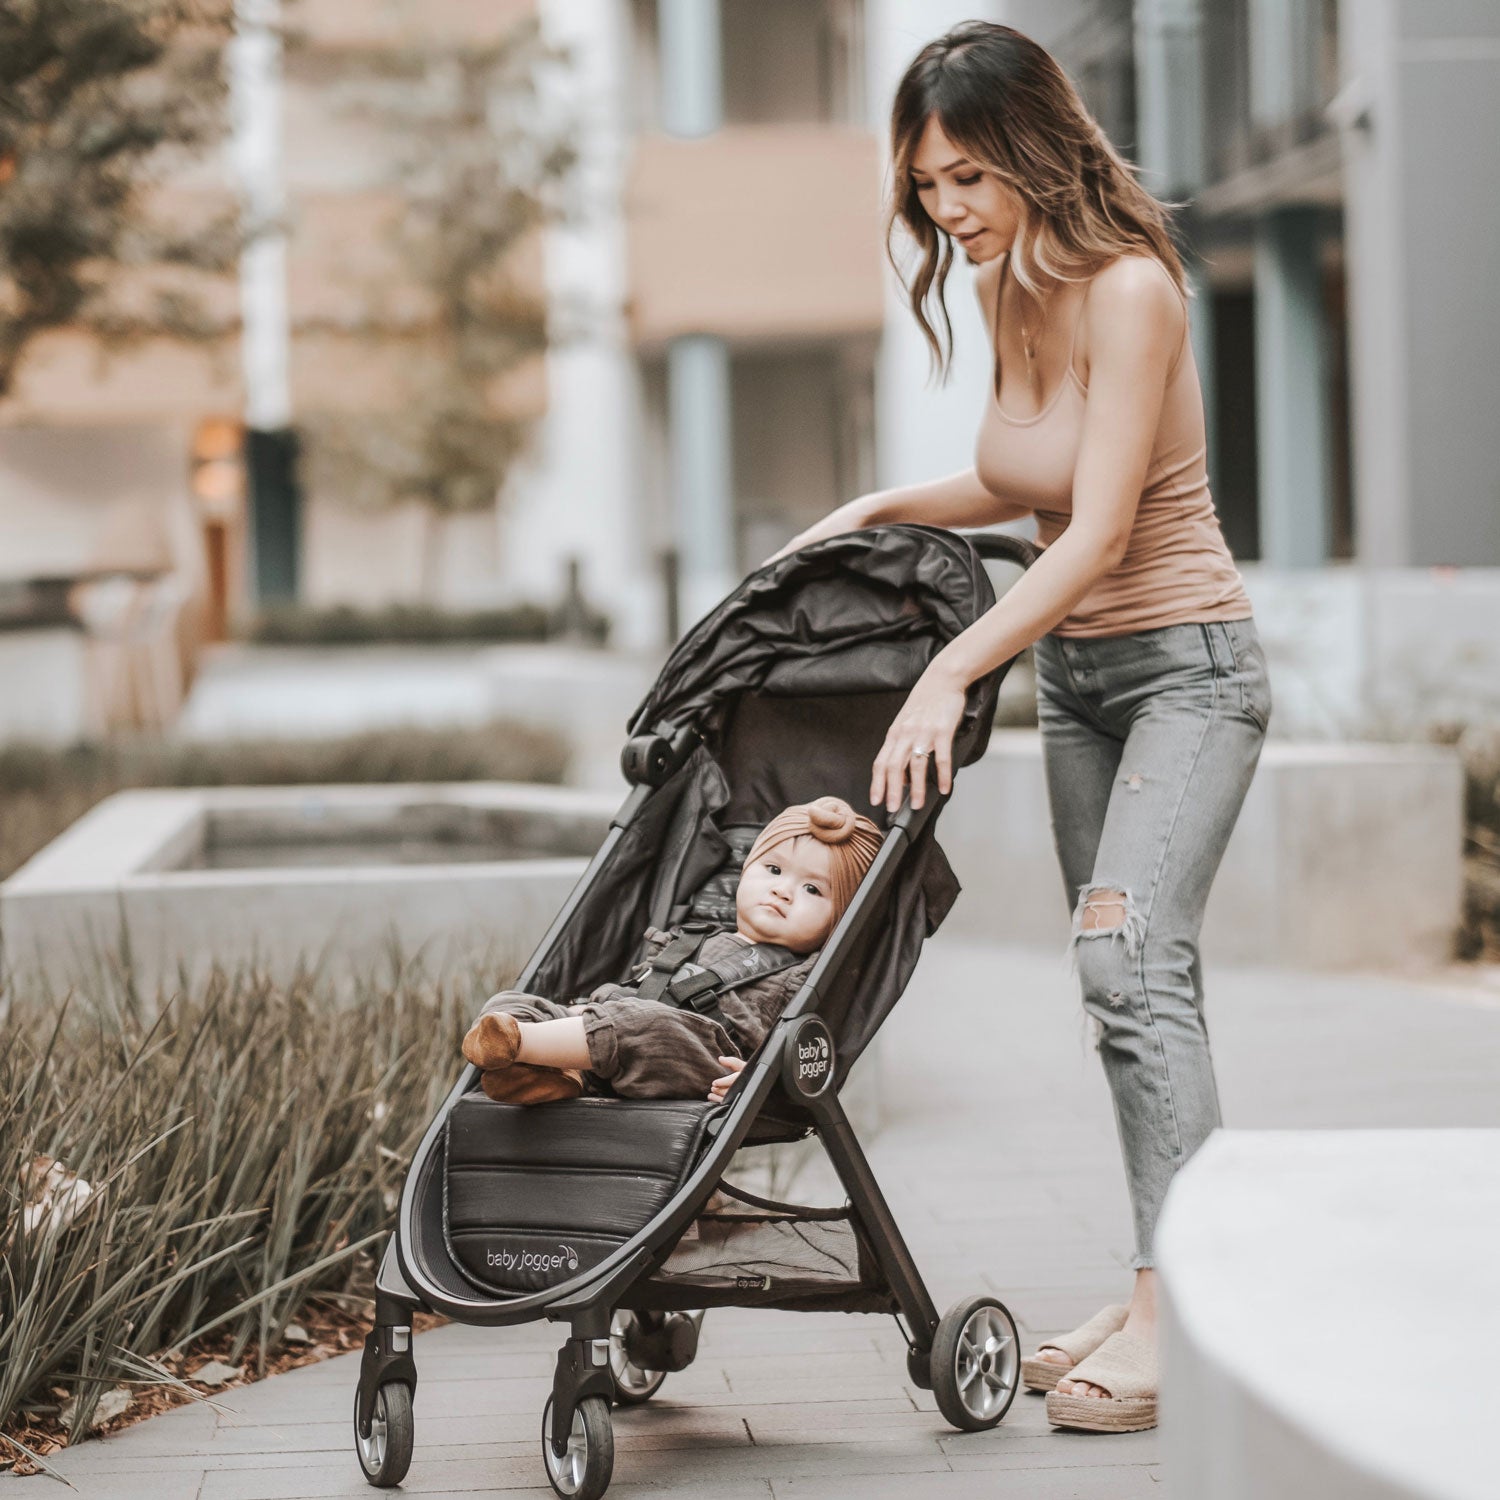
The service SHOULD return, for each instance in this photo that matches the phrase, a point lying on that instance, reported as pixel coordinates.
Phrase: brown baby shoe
(493, 1040)
(525, 1083)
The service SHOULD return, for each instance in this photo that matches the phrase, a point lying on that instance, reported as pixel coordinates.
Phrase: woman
(1151, 683)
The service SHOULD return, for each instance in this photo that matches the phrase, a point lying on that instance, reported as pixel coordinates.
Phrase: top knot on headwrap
(852, 840)
(831, 820)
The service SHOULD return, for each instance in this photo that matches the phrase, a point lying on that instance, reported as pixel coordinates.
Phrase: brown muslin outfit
(648, 1049)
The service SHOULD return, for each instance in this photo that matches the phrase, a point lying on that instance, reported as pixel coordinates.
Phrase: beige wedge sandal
(1123, 1365)
(1039, 1374)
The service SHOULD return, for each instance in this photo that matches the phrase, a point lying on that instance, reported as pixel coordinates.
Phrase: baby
(800, 875)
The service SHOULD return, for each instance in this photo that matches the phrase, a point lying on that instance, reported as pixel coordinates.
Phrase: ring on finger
(920, 752)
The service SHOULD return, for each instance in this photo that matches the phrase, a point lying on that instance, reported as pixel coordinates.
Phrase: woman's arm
(1135, 330)
(958, 500)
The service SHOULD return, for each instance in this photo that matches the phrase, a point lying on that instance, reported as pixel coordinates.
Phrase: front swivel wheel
(976, 1363)
(385, 1451)
(634, 1383)
(582, 1471)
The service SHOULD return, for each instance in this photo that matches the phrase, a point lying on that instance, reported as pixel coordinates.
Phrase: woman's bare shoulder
(1136, 286)
(1133, 302)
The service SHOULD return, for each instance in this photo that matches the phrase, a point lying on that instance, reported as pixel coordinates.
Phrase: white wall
(578, 495)
(1389, 653)
(73, 498)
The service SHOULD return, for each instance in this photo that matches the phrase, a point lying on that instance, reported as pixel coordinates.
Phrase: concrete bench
(1345, 855)
(1329, 1300)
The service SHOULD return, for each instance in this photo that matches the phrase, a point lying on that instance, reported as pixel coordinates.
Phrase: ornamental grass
(203, 1162)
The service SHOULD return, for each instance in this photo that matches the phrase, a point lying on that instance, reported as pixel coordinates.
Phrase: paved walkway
(997, 1151)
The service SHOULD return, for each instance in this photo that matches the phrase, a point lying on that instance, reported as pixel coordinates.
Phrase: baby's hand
(720, 1086)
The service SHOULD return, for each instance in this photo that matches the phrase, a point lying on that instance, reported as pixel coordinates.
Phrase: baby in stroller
(702, 1001)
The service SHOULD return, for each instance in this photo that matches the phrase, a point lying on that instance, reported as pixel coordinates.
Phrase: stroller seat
(534, 1195)
(714, 901)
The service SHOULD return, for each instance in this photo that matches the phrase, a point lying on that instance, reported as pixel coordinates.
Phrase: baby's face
(784, 896)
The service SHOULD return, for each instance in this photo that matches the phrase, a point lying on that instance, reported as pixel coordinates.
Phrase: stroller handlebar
(1001, 546)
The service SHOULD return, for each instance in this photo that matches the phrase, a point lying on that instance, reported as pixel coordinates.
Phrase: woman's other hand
(721, 1086)
(927, 723)
(854, 516)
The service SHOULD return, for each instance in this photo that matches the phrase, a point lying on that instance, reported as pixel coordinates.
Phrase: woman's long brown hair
(1007, 105)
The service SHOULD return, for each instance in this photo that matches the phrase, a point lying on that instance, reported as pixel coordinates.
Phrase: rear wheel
(582, 1473)
(385, 1453)
(633, 1383)
(976, 1363)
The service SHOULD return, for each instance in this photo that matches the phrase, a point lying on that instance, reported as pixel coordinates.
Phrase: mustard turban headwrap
(852, 839)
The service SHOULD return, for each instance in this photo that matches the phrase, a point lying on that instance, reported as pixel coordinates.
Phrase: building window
(783, 62)
(790, 61)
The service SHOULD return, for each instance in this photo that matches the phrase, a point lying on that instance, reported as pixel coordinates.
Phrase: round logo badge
(808, 1069)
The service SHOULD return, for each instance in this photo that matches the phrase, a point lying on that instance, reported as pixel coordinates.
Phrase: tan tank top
(1176, 569)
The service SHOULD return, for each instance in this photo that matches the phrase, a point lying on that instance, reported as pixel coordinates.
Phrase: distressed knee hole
(1103, 910)
(1107, 911)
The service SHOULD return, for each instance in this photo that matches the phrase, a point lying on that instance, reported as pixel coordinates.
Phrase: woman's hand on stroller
(852, 516)
(921, 735)
(721, 1086)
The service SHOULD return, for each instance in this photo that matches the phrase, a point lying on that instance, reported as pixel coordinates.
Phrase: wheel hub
(372, 1448)
(568, 1470)
(987, 1363)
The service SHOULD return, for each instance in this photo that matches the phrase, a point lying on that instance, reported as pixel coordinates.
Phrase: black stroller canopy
(859, 613)
(791, 684)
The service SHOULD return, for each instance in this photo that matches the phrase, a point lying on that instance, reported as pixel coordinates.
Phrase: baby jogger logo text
(812, 1058)
(807, 1064)
(532, 1260)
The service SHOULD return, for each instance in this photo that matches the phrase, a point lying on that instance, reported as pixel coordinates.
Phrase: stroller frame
(936, 1347)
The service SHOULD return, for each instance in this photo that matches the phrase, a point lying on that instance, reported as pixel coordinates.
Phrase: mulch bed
(332, 1328)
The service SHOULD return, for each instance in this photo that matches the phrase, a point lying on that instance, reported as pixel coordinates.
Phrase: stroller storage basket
(534, 1195)
(770, 1253)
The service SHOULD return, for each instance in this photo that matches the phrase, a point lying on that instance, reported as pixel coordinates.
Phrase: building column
(1290, 391)
(270, 442)
(1170, 136)
(699, 411)
(699, 401)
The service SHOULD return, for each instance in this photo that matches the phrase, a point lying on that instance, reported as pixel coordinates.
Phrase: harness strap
(674, 977)
(700, 987)
(694, 981)
(665, 963)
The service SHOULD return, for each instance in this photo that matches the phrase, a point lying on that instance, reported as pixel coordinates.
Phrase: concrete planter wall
(129, 874)
(1345, 856)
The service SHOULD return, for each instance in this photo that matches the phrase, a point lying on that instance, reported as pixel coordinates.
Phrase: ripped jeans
(1150, 741)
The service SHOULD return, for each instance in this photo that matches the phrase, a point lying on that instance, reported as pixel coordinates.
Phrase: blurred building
(133, 533)
(733, 357)
(742, 364)
(752, 364)
(1338, 162)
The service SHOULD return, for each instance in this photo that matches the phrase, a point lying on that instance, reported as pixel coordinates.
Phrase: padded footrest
(536, 1194)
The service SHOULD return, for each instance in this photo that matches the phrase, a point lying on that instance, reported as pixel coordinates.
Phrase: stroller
(590, 1211)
